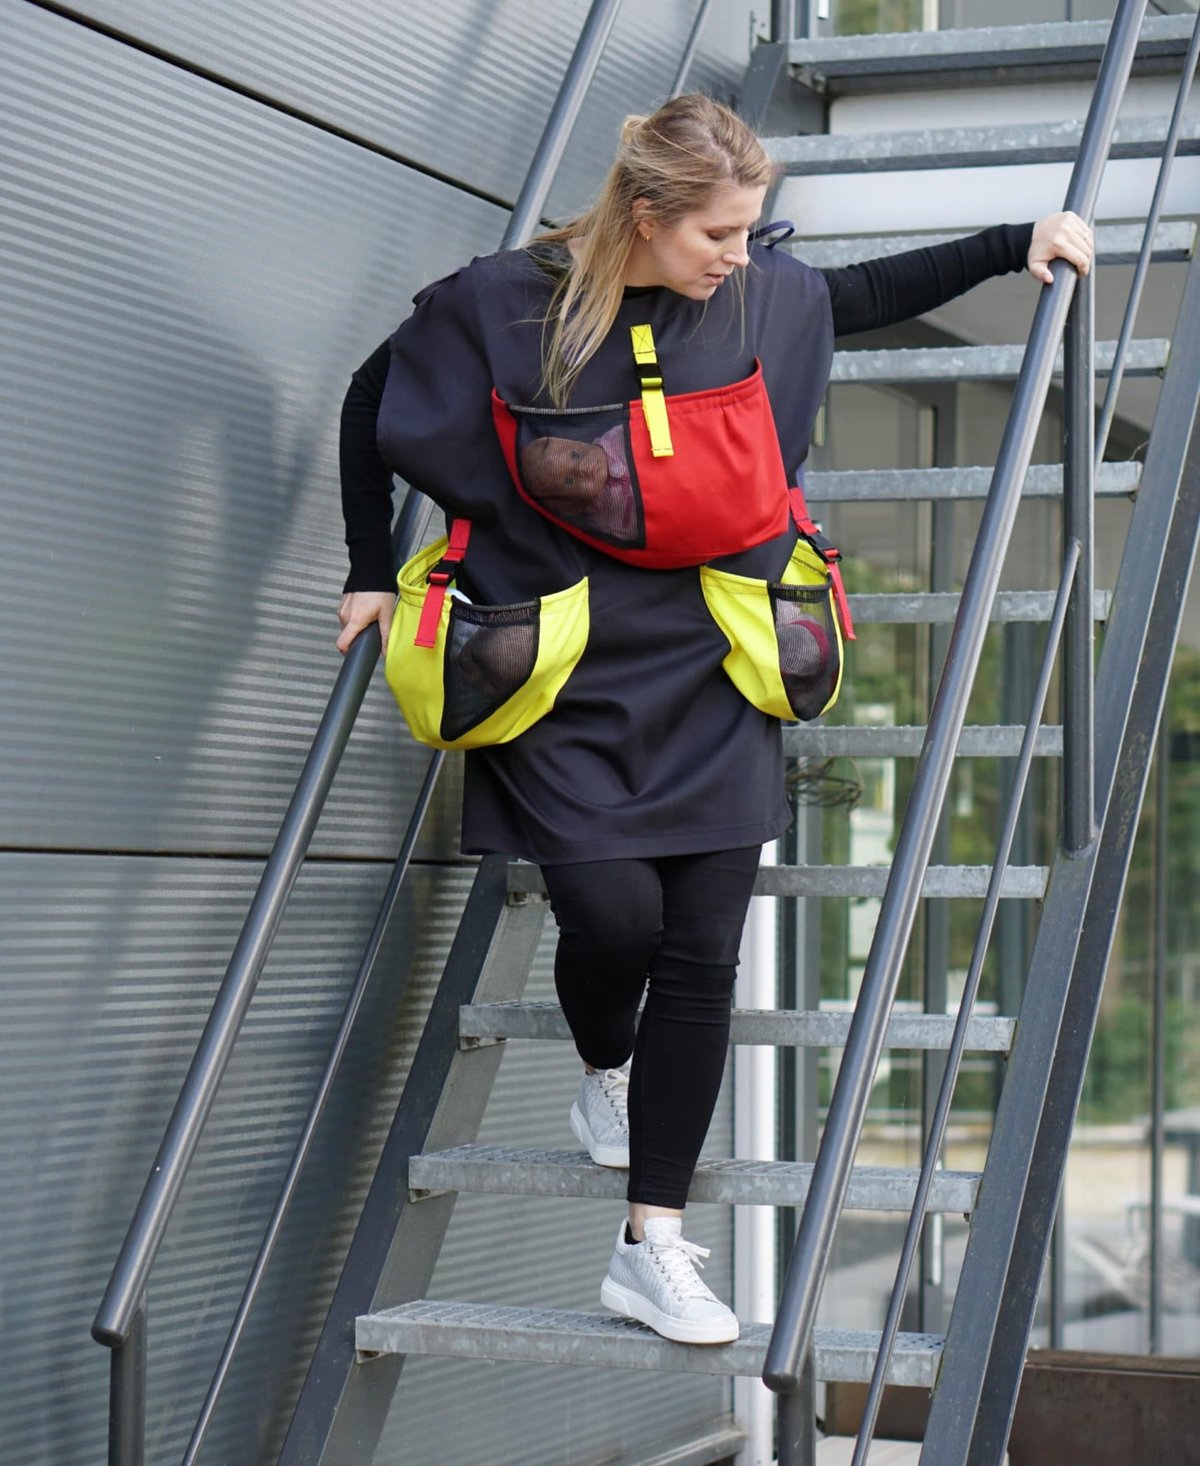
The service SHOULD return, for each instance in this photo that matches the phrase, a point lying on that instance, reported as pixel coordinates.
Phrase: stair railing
(809, 1262)
(1083, 454)
(120, 1322)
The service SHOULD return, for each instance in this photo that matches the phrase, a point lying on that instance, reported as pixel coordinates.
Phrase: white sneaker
(656, 1282)
(600, 1116)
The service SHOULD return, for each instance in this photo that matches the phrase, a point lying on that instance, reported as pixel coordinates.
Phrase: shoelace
(679, 1260)
(614, 1084)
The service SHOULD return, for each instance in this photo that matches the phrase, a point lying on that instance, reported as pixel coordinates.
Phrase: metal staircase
(381, 1313)
(425, 1326)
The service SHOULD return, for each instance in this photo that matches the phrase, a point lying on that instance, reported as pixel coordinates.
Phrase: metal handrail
(958, 1042)
(1087, 442)
(120, 1319)
(523, 220)
(865, 1042)
(1170, 147)
(691, 46)
(135, 1261)
(316, 1110)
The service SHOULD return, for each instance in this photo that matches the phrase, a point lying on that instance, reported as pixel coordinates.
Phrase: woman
(646, 792)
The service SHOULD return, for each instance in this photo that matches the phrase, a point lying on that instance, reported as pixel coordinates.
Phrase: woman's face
(699, 253)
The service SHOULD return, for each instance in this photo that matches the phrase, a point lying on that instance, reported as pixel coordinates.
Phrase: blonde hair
(674, 159)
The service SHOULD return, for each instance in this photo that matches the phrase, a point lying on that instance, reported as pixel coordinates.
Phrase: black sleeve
(897, 287)
(366, 479)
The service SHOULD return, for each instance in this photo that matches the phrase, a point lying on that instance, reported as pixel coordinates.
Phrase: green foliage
(1118, 1078)
(867, 17)
(888, 668)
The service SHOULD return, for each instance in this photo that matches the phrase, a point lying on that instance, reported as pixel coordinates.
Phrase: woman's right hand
(358, 609)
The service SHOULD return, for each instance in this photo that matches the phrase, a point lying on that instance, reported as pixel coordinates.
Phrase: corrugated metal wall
(210, 215)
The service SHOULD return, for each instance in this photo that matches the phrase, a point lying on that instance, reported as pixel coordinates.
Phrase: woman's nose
(739, 255)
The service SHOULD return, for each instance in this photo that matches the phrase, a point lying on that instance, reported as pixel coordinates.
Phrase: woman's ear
(643, 220)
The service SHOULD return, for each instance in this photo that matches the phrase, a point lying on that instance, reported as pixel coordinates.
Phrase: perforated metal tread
(871, 486)
(938, 608)
(1006, 48)
(1116, 244)
(968, 147)
(1146, 358)
(942, 882)
(481, 1022)
(549, 1336)
(510, 1170)
(834, 740)
(946, 882)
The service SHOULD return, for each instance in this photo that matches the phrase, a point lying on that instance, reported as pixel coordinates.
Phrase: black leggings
(677, 921)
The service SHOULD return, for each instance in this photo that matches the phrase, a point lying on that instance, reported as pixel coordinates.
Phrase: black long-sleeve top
(649, 750)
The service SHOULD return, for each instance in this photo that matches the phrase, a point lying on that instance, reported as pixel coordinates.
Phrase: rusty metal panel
(1106, 1410)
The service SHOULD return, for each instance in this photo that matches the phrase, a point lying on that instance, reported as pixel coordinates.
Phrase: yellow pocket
(492, 671)
(785, 643)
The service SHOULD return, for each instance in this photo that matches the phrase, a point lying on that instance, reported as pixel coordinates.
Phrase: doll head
(565, 476)
(496, 660)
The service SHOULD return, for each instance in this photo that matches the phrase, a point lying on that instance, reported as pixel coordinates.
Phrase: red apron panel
(593, 474)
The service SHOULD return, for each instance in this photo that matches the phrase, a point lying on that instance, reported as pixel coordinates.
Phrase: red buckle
(438, 582)
(828, 552)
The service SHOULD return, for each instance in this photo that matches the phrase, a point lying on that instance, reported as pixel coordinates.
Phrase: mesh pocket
(578, 467)
(809, 660)
(490, 654)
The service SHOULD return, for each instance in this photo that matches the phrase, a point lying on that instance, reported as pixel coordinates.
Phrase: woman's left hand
(1060, 236)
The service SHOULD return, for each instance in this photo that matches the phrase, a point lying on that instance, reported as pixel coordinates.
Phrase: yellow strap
(654, 404)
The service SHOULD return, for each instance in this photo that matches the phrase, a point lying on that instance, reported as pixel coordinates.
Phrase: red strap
(828, 552)
(840, 600)
(439, 580)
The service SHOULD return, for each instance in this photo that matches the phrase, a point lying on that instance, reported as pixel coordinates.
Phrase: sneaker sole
(680, 1331)
(616, 1156)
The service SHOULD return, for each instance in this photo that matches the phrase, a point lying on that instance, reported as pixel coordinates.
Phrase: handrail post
(1079, 417)
(127, 1394)
(797, 1419)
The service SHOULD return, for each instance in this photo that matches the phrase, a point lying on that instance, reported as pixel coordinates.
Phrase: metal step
(485, 1022)
(1026, 882)
(947, 882)
(877, 485)
(980, 363)
(505, 1170)
(968, 147)
(1116, 244)
(937, 608)
(839, 64)
(831, 740)
(596, 1340)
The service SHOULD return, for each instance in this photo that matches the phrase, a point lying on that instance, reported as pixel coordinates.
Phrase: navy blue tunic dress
(649, 750)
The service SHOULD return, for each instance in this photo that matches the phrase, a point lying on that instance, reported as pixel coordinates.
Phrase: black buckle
(827, 550)
(442, 573)
(650, 374)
